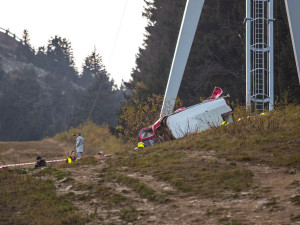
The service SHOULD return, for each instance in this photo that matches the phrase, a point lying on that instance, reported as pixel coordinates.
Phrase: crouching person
(40, 162)
(72, 158)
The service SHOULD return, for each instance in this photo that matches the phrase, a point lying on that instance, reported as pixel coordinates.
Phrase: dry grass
(19, 152)
(28, 200)
(190, 174)
(272, 139)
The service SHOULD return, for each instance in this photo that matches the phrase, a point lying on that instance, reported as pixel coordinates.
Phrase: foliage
(217, 57)
(102, 99)
(137, 114)
(41, 93)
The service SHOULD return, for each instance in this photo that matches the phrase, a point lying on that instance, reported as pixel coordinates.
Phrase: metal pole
(187, 32)
(271, 54)
(292, 9)
(248, 53)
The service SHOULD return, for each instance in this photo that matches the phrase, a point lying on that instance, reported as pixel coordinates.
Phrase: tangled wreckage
(197, 118)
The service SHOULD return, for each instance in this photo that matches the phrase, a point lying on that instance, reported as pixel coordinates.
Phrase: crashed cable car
(193, 119)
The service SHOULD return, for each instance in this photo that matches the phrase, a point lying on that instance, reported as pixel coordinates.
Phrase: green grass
(28, 200)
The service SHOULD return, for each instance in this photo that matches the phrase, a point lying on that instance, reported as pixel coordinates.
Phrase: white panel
(197, 118)
(187, 32)
(293, 13)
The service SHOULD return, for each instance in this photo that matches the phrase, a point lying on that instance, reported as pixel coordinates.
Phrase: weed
(129, 214)
(50, 171)
(141, 188)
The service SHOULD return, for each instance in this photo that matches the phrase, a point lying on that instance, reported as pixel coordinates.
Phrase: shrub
(96, 138)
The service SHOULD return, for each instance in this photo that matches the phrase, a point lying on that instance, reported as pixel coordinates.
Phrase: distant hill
(41, 92)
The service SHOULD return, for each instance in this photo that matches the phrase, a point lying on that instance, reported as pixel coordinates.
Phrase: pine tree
(92, 69)
(102, 99)
(60, 56)
(217, 57)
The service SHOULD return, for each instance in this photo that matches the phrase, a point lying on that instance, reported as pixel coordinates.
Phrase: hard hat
(140, 145)
(262, 114)
(239, 119)
(223, 123)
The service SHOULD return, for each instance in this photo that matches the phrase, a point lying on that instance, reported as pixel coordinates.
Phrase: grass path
(272, 199)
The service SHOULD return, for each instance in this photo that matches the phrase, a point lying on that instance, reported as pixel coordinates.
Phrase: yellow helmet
(141, 145)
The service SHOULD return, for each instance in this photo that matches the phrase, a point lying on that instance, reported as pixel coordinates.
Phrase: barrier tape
(31, 163)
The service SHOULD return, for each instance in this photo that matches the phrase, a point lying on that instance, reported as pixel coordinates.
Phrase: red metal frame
(153, 128)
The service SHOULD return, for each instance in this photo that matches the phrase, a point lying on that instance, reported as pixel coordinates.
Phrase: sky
(115, 27)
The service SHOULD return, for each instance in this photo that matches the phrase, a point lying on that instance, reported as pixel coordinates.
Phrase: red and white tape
(31, 163)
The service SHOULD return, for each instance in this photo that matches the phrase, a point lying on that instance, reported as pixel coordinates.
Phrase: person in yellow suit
(141, 145)
(72, 158)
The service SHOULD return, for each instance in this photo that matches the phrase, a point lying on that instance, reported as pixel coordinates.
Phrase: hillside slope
(243, 173)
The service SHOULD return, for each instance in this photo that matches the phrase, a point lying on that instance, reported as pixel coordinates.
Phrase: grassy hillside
(20, 152)
(246, 172)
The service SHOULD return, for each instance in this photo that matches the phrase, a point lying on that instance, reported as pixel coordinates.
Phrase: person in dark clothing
(40, 162)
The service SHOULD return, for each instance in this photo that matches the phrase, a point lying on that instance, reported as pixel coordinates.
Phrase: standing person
(72, 157)
(40, 162)
(79, 145)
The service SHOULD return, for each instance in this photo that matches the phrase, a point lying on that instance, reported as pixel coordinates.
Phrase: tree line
(42, 93)
(217, 57)
(33, 107)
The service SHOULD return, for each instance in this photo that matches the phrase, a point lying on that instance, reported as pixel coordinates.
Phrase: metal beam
(187, 32)
(271, 53)
(293, 9)
(248, 53)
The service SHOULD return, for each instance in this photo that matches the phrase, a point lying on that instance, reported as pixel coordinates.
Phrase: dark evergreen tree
(24, 51)
(102, 99)
(92, 69)
(217, 57)
(60, 56)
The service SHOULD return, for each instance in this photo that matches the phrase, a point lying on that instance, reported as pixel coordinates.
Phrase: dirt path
(270, 201)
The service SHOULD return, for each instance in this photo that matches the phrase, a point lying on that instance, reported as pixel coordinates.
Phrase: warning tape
(31, 163)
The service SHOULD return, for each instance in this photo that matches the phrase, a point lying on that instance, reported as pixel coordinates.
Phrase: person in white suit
(79, 145)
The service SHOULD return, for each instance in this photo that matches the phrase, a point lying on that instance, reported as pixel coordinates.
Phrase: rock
(114, 211)
(292, 171)
(152, 218)
(262, 202)
(68, 187)
(63, 180)
(167, 189)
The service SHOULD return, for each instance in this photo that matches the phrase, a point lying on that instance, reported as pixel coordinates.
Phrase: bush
(96, 138)
(137, 114)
